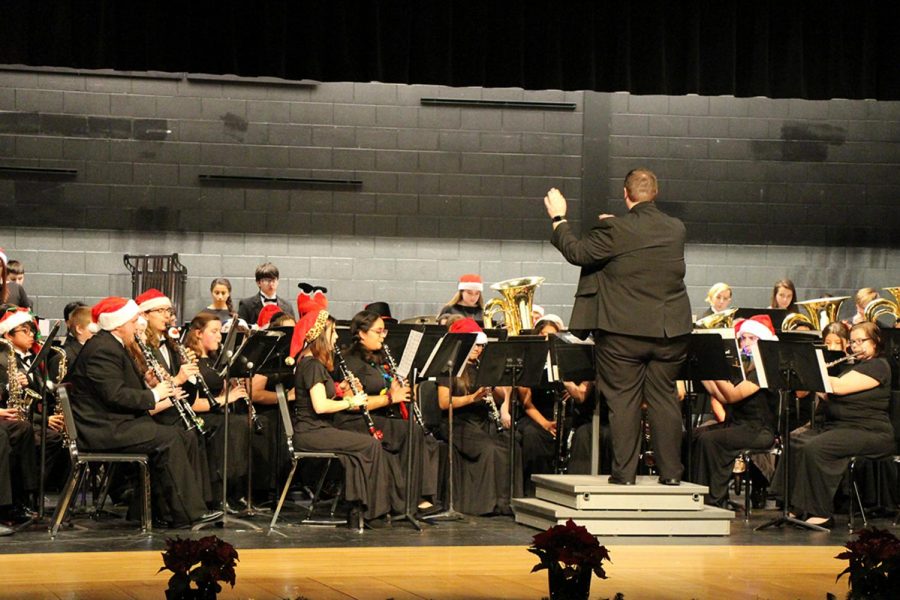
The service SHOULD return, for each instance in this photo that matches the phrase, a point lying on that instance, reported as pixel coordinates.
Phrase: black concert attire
(538, 445)
(248, 308)
(17, 296)
(110, 401)
(223, 314)
(631, 294)
(376, 377)
(19, 471)
(481, 468)
(71, 346)
(856, 424)
(270, 460)
(367, 476)
(749, 424)
(472, 312)
(581, 446)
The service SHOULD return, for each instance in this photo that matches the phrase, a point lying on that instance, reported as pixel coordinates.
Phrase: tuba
(882, 306)
(518, 297)
(722, 320)
(819, 313)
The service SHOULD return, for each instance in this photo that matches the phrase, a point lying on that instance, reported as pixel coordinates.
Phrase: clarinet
(188, 416)
(357, 389)
(564, 434)
(493, 411)
(417, 412)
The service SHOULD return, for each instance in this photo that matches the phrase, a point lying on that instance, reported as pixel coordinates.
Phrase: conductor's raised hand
(555, 203)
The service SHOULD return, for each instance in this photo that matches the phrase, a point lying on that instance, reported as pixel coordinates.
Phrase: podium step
(705, 521)
(592, 492)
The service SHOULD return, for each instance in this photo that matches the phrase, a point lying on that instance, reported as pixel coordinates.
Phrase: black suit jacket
(109, 397)
(248, 308)
(632, 274)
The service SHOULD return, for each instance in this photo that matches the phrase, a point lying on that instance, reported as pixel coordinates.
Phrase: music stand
(572, 359)
(787, 367)
(519, 361)
(706, 360)
(254, 351)
(449, 356)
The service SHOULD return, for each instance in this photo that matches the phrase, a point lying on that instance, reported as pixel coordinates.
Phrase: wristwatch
(558, 218)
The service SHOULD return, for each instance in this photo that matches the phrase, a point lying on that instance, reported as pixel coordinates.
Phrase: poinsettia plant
(874, 569)
(204, 562)
(569, 549)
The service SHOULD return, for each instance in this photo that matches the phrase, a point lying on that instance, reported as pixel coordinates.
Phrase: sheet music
(409, 353)
(430, 356)
(823, 370)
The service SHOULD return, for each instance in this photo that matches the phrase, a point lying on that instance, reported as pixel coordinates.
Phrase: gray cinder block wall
(767, 188)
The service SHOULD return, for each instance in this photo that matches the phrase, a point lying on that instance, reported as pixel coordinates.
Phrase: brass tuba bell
(819, 313)
(518, 297)
(722, 320)
(882, 306)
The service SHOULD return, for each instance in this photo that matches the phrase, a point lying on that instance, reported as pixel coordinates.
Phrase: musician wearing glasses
(631, 295)
(388, 404)
(267, 279)
(857, 423)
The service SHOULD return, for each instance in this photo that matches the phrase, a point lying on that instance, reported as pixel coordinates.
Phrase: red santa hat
(114, 312)
(307, 329)
(266, 314)
(758, 325)
(13, 318)
(312, 302)
(471, 281)
(468, 325)
(151, 300)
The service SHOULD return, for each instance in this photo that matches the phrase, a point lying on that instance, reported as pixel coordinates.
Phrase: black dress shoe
(616, 480)
(669, 481)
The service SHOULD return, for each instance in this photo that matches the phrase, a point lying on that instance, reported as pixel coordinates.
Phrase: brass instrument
(819, 313)
(20, 398)
(722, 320)
(61, 375)
(516, 302)
(188, 416)
(882, 306)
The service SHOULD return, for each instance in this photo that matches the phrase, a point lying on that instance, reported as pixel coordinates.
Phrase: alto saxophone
(60, 376)
(20, 398)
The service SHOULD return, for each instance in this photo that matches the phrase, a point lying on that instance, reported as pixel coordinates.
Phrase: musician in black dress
(367, 476)
(749, 422)
(856, 424)
(468, 300)
(482, 446)
(222, 306)
(387, 400)
(204, 339)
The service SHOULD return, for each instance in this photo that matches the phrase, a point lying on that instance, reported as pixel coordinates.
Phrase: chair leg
(146, 514)
(319, 485)
(65, 499)
(287, 485)
(748, 484)
(100, 499)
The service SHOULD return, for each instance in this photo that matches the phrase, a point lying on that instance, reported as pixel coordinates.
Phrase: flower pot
(575, 587)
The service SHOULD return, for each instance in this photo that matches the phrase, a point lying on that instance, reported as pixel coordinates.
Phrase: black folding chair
(80, 461)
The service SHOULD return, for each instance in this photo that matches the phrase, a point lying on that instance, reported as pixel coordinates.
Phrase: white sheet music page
(823, 370)
(409, 353)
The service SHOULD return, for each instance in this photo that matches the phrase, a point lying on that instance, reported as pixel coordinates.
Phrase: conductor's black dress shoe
(669, 481)
(616, 480)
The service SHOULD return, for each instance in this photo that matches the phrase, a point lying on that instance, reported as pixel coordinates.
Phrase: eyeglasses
(859, 340)
(381, 332)
(26, 330)
(168, 311)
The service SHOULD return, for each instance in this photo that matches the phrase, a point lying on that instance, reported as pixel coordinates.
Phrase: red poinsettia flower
(569, 548)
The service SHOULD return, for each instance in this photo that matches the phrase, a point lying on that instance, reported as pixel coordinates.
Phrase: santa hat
(13, 318)
(307, 303)
(758, 325)
(308, 328)
(551, 318)
(152, 299)
(471, 282)
(113, 312)
(266, 314)
(535, 308)
(3, 256)
(468, 325)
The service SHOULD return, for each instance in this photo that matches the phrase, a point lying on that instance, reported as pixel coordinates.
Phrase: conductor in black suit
(631, 294)
(110, 401)
(267, 281)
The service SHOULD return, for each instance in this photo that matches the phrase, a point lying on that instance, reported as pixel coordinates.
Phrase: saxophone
(20, 398)
(61, 375)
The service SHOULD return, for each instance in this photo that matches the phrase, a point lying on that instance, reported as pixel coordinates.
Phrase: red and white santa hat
(151, 300)
(758, 325)
(266, 314)
(3, 256)
(471, 281)
(468, 325)
(114, 312)
(13, 318)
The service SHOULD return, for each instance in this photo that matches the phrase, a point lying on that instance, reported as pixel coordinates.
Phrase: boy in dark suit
(267, 281)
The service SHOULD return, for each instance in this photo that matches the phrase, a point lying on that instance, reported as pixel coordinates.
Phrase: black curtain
(816, 49)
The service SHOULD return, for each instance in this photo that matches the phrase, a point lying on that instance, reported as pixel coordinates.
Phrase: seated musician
(784, 295)
(19, 471)
(468, 300)
(483, 449)
(719, 298)
(749, 422)
(111, 400)
(368, 478)
(856, 424)
(862, 299)
(366, 359)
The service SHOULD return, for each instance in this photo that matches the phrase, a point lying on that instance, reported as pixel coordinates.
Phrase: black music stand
(515, 362)
(787, 367)
(707, 359)
(253, 352)
(449, 356)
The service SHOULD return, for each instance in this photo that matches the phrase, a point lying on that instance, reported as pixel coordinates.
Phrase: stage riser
(635, 528)
(635, 501)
